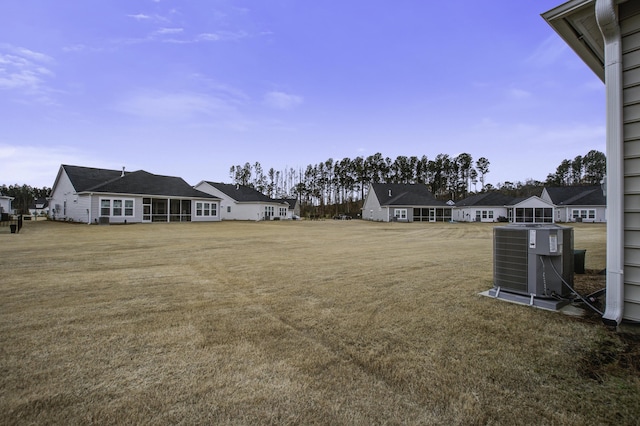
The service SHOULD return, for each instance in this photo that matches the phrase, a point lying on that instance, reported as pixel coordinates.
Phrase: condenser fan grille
(510, 263)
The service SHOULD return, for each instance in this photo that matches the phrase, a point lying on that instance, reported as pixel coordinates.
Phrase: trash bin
(578, 261)
(13, 228)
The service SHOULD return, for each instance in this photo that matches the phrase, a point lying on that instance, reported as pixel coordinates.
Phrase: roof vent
(122, 175)
(237, 186)
(389, 193)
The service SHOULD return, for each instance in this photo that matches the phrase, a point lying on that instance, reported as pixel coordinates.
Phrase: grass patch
(305, 322)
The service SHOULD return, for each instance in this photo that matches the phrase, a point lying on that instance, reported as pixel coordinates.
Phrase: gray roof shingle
(486, 199)
(242, 194)
(404, 194)
(86, 179)
(577, 195)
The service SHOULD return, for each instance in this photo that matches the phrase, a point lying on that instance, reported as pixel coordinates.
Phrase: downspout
(607, 18)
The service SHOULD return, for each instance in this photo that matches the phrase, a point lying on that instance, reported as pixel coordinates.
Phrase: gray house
(240, 202)
(386, 202)
(604, 33)
(91, 195)
(577, 203)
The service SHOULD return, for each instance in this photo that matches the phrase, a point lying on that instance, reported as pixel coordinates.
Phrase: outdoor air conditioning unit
(533, 264)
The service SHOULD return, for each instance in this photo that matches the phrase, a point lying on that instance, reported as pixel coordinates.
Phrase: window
(206, 209)
(534, 215)
(268, 212)
(401, 214)
(105, 207)
(228, 209)
(116, 207)
(583, 214)
(283, 211)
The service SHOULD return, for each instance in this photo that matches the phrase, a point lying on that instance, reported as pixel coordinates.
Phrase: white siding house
(5, 204)
(577, 203)
(91, 195)
(606, 36)
(240, 202)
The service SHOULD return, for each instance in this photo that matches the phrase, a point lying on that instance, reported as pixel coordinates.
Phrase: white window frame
(117, 207)
(583, 214)
(401, 214)
(206, 209)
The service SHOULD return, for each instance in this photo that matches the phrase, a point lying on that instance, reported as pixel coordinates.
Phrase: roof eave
(563, 20)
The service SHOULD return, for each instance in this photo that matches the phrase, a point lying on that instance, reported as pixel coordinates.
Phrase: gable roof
(242, 194)
(42, 202)
(404, 194)
(87, 179)
(486, 199)
(83, 178)
(577, 195)
(291, 201)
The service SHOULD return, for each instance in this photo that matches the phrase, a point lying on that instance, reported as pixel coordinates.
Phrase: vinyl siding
(630, 27)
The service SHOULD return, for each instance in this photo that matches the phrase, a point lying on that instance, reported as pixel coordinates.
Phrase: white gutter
(607, 18)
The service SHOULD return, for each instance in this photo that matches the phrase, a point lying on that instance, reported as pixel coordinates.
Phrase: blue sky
(190, 88)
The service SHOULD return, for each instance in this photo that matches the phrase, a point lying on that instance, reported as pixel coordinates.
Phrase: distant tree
(24, 196)
(595, 167)
(482, 166)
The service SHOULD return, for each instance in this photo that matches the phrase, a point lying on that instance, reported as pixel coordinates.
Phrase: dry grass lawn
(324, 322)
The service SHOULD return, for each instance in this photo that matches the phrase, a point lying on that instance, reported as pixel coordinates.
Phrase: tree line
(344, 182)
(23, 196)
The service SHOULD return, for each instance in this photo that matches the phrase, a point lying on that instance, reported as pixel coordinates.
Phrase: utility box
(534, 260)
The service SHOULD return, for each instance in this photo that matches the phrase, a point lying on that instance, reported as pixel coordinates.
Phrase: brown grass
(328, 322)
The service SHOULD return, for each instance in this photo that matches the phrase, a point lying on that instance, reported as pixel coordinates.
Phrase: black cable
(571, 288)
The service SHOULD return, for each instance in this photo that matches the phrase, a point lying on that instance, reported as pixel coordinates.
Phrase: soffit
(575, 22)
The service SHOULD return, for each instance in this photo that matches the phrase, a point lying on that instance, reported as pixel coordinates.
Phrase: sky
(190, 88)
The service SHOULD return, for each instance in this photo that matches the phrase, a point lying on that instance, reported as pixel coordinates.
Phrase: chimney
(122, 175)
(389, 193)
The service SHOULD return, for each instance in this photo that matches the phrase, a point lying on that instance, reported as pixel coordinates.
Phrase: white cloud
(281, 100)
(548, 52)
(173, 106)
(222, 36)
(35, 165)
(141, 17)
(518, 94)
(169, 31)
(24, 70)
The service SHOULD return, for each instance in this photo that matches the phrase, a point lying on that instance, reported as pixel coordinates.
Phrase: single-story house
(39, 207)
(91, 195)
(577, 203)
(386, 202)
(604, 34)
(240, 202)
(5, 204)
(484, 207)
(294, 207)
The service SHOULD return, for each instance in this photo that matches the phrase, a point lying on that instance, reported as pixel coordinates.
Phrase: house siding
(372, 209)
(239, 210)
(61, 203)
(630, 29)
